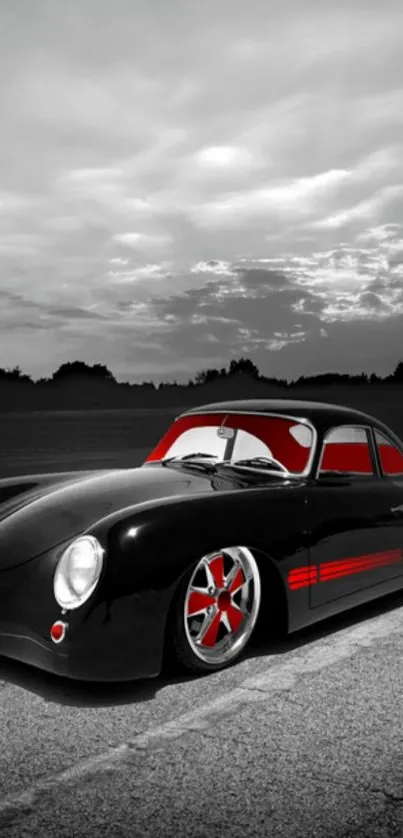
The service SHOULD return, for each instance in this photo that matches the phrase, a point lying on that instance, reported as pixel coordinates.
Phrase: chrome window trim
(368, 429)
(296, 419)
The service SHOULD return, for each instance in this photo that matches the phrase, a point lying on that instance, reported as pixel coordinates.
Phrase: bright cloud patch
(141, 241)
(140, 273)
(223, 156)
(293, 201)
(213, 266)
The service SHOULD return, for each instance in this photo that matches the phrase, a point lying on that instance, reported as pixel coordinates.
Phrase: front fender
(152, 547)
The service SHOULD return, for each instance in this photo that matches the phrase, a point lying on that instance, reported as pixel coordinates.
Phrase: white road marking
(282, 677)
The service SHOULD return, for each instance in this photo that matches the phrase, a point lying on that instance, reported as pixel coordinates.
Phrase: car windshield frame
(297, 420)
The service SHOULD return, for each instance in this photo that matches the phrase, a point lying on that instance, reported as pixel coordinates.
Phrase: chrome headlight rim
(64, 592)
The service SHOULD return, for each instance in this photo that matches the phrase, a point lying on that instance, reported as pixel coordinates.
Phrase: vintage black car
(246, 512)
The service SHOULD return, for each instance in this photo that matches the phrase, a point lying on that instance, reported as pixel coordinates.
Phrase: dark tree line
(79, 371)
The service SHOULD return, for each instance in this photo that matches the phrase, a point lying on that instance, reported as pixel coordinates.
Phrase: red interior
(272, 431)
(347, 456)
(355, 456)
(391, 459)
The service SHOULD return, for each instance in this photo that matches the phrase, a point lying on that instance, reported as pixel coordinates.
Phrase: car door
(354, 520)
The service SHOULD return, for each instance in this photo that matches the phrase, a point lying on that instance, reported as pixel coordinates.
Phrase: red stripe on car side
(324, 577)
(301, 571)
(303, 577)
(388, 555)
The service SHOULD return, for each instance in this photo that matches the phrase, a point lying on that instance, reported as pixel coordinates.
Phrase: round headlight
(78, 572)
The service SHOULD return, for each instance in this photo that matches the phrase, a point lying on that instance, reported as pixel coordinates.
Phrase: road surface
(300, 738)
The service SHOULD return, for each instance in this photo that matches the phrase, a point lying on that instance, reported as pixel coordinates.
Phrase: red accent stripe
(332, 574)
(357, 564)
(294, 587)
(388, 555)
(302, 573)
(303, 577)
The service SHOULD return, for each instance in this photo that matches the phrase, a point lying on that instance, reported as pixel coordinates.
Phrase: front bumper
(111, 638)
(83, 661)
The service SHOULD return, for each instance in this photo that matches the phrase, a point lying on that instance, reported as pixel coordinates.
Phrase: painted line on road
(277, 678)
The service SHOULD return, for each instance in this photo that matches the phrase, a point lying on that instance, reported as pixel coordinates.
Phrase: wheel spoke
(210, 578)
(198, 601)
(226, 622)
(238, 581)
(208, 636)
(216, 567)
(235, 617)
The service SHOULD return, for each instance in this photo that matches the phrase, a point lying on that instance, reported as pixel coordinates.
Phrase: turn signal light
(58, 631)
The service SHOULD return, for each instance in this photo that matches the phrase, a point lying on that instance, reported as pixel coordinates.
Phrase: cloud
(212, 266)
(257, 150)
(142, 241)
(92, 175)
(223, 156)
(72, 313)
(364, 211)
(293, 200)
(21, 244)
(144, 272)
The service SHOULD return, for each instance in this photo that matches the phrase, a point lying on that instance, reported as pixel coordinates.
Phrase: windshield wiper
(194, 459)
(260, 462)
(192, 456)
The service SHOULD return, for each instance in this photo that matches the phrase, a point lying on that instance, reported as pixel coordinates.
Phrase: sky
(183, 183)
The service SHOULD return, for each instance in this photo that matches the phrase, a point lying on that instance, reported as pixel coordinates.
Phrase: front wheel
(216, 610)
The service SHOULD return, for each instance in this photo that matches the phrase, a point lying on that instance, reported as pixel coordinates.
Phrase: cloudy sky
(186, 182)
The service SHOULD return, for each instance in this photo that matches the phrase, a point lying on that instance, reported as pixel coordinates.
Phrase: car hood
(40, 512)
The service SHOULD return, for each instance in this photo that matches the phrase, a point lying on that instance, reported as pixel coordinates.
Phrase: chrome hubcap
(222, 603)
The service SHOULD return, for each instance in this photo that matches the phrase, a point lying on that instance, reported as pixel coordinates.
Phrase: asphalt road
(300, 738)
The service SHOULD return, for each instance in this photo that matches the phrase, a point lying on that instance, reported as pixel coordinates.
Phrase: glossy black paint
(155, 522)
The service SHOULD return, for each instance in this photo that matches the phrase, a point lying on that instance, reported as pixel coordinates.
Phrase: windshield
(234, 437)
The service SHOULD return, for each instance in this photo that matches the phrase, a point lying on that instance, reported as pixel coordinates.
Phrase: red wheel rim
(222, 604)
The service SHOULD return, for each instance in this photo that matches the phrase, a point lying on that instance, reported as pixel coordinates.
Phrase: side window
(346, 449)
(390, 457)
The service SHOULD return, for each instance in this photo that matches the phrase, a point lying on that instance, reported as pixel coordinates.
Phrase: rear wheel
(216, 610)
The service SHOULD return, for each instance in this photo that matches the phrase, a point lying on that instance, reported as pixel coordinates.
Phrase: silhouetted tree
(75, 369)
(206, 376)
(398, 373)
(14, 375)
(244, 365)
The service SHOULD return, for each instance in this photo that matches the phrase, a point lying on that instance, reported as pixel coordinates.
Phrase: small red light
(58, 631)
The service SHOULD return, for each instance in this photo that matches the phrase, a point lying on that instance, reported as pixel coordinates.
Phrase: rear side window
(391, 459)
(346, 450)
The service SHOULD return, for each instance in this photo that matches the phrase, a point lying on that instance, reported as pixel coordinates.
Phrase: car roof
(321, 413)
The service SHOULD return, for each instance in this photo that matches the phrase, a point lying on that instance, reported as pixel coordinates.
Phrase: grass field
(44, 441)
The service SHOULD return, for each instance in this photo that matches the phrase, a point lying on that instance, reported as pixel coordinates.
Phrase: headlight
(78, 572)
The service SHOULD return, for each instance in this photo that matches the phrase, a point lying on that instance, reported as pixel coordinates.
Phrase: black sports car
(272, 510)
